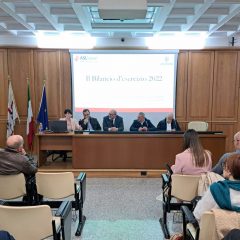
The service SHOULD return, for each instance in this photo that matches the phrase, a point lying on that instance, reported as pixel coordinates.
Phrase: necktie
(112, 125)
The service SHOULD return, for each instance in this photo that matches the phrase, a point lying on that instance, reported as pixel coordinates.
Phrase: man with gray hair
(142, 124)
(14, 160)
(218, 168)
(113, 122)
(168, 124)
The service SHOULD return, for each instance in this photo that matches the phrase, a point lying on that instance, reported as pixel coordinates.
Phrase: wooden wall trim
(199, 87)
(226, 84)
(181, 86)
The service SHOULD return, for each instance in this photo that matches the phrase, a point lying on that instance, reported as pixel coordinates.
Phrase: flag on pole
(12, 111)
(30, 121)
(43, 113)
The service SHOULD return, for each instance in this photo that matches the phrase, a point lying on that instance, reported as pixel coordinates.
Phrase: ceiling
(215, 18)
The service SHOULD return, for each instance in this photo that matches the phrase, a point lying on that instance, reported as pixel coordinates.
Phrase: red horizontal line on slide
(127, 109)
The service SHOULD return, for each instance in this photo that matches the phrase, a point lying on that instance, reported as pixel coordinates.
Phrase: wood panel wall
(51, 66)
(208, 90)
(207, 86)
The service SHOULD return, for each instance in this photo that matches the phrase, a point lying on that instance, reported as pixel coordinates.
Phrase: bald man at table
(168, 124)
(113, 122)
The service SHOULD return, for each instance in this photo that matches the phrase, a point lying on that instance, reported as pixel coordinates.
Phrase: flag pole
(31, 147)
(28, 83)
(10, 82)
(42, 114)
(44, 84)
(27, 110)
(12, 110)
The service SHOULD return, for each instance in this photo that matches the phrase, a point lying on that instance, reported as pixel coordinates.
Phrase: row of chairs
(180, 193)
(34, 213)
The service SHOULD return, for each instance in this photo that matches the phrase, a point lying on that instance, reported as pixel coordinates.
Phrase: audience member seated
(168, 124)
(142, 124)
(72, 124)
(194, 159)
(234, 234)
(223, 194)
(218, 168)
(113, 122)
(14, 160)
(88, 122)
(4, 235)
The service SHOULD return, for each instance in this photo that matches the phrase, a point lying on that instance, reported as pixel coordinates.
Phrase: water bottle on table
(40, 128)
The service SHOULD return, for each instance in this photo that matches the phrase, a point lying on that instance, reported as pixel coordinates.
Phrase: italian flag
(30, 121)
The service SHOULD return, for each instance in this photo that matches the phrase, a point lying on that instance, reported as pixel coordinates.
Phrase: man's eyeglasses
(223, 165)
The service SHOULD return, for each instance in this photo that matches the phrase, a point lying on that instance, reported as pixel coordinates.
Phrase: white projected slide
(128, 82)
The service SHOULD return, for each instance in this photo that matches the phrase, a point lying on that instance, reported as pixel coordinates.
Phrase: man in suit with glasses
(142, 124)
(113, 122)
(88, 122)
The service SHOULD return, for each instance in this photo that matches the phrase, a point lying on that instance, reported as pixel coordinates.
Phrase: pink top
(72, 125)
(184, 164)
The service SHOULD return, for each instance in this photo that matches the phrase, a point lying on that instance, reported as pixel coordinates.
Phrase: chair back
(12, 186)
(55, 185)
(216, 224)
(83, 186)
(185, 187)
(34, 222)
(198, 126)
(208, 227)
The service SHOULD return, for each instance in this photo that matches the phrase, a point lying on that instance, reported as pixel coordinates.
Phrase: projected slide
(128, 82)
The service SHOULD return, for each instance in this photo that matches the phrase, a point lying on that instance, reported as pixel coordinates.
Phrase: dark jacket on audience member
(94, 122)
(118, 123)
(147, 123)
(218, 168)
(12, 162)
(4, 235)
(162, 125)
(234, 234)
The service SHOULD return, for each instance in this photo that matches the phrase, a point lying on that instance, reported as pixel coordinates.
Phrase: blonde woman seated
(72, 123)
(223, 194)
(194, 160)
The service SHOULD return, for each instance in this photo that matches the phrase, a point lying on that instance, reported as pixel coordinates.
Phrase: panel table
(123, 151)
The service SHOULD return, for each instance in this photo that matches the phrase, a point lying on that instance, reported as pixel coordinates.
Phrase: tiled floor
(122, 209)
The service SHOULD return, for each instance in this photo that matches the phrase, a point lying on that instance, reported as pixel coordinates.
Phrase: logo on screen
(83, 58)
(87, 58)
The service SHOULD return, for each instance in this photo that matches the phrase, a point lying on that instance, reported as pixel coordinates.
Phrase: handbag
(177, 236)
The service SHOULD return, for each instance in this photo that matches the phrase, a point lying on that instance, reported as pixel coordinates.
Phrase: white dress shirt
(169, 127)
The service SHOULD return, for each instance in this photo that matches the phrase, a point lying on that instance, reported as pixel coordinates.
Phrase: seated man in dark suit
(168, 124)
(88, 122)
(142, 124)
(113, 122)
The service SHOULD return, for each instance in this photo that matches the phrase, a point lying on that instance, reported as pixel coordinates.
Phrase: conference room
(119, 118)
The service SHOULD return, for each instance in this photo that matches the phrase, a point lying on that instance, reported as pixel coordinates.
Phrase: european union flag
(43, 113)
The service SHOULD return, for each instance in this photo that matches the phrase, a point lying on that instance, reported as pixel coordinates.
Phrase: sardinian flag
(30, 121)
(12, 111)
